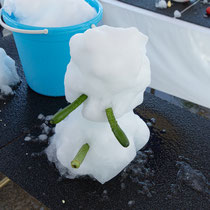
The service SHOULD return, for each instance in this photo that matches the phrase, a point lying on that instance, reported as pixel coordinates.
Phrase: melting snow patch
(190, 177)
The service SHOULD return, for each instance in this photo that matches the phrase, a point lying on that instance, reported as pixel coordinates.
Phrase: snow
(161, 4)
(50, 13)
(131, 203)
(42, 137)
(106, 157)
(8, 73)
(140, 173)
(45, 129)
(49, 117)
(190, 177)
(41, 117)
(110, 66)
(27, 138)
(177, 14)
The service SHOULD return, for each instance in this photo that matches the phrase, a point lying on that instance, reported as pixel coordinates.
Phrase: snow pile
(8, 73)
(50, 13)
(161, 4)
(110, 66)
(106, 157)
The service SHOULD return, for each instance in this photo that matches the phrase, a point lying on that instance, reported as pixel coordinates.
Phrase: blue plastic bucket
(44, 57)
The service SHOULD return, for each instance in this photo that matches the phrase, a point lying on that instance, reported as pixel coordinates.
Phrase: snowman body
(110, 66)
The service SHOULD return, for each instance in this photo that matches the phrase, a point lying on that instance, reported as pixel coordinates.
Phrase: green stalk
(80, 156)
(118, 132)
(62, 114)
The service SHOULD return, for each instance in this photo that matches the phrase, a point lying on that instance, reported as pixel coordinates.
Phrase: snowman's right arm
(62, 114)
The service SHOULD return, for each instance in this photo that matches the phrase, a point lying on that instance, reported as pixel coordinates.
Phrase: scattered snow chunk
(27, 138)
(177, 14)
(161, 4)
(45, 129)
(139, 173)
(122, 186)
(8, 73)
(105, 192)
(42, 137)
(41, 117)
(153, 120)
(131, 203)
(149, 124)
(49, 117)
(50, 13)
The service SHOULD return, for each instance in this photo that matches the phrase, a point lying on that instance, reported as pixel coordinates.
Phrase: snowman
(98, 134)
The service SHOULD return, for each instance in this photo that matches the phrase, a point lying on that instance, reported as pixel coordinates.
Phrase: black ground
(186, 135)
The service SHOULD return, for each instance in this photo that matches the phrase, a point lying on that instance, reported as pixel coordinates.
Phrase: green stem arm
(62, 114)
(118, 132)
(80, 156)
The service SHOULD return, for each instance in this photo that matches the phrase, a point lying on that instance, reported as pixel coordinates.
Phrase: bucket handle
(44, 31)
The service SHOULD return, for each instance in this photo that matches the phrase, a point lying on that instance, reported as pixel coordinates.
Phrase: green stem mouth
(118, 132)
(62, 114)
(80, 156)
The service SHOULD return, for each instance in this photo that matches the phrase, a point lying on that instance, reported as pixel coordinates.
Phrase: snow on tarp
(50, 13)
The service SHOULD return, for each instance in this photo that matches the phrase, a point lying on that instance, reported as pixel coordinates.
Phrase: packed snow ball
(50, 13)
(110, 66)
(8, 73)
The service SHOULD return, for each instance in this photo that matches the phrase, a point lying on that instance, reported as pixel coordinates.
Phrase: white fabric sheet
(179, 51)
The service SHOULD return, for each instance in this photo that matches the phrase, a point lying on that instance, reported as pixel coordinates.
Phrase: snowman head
(110, 66)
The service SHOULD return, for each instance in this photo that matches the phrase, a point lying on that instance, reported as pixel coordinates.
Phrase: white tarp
(179, 51)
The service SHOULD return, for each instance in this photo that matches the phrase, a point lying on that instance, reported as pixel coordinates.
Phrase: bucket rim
(88, 23)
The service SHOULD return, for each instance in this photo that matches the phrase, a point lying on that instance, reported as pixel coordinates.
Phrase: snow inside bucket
(44, 57)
